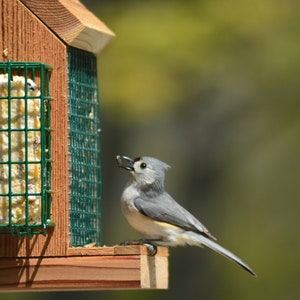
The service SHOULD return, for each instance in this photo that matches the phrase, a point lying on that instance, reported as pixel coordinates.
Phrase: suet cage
(25, 148)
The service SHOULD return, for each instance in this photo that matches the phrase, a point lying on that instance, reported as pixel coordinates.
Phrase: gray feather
(226, 253)
(164, 208)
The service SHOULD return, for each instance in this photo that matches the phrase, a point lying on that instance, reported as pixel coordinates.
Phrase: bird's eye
(143, 165)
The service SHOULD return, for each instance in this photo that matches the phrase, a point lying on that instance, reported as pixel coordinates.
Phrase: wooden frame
(121, 267)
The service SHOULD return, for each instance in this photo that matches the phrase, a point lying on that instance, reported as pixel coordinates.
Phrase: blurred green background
(212, 88)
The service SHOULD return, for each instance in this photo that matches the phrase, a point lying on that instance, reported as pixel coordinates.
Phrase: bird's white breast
(148, 227)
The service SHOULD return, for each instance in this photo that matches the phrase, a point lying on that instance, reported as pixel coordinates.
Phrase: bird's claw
(130, 243)
(152, 249)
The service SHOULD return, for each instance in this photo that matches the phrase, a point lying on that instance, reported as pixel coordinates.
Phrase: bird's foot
(151, 248)
(148, 243)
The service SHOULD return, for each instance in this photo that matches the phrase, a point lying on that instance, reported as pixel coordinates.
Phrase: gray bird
(151, 211)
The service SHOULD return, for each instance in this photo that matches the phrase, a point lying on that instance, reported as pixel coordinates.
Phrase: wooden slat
(83, 251)
(115, 250)
(85, 272)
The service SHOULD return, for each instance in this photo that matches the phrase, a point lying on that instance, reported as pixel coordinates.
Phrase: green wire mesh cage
(84, 149)
(25, 148)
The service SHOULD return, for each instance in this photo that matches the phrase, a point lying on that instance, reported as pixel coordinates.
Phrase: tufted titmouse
(151, 211)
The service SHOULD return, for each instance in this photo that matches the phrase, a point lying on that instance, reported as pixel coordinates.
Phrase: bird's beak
(125, 162)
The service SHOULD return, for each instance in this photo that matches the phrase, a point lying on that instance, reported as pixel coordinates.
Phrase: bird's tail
(200, 240)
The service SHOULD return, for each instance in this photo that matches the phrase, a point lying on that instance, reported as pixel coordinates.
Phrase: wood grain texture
(28, 39)
(73, 23)
(116, 250)
(85, 273)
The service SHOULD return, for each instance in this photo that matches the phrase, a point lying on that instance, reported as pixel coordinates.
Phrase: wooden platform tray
(119, 267)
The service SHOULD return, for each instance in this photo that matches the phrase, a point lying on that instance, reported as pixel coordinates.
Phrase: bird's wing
(164, 208)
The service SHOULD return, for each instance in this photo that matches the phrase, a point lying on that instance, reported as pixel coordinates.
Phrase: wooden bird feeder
(50, 170)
